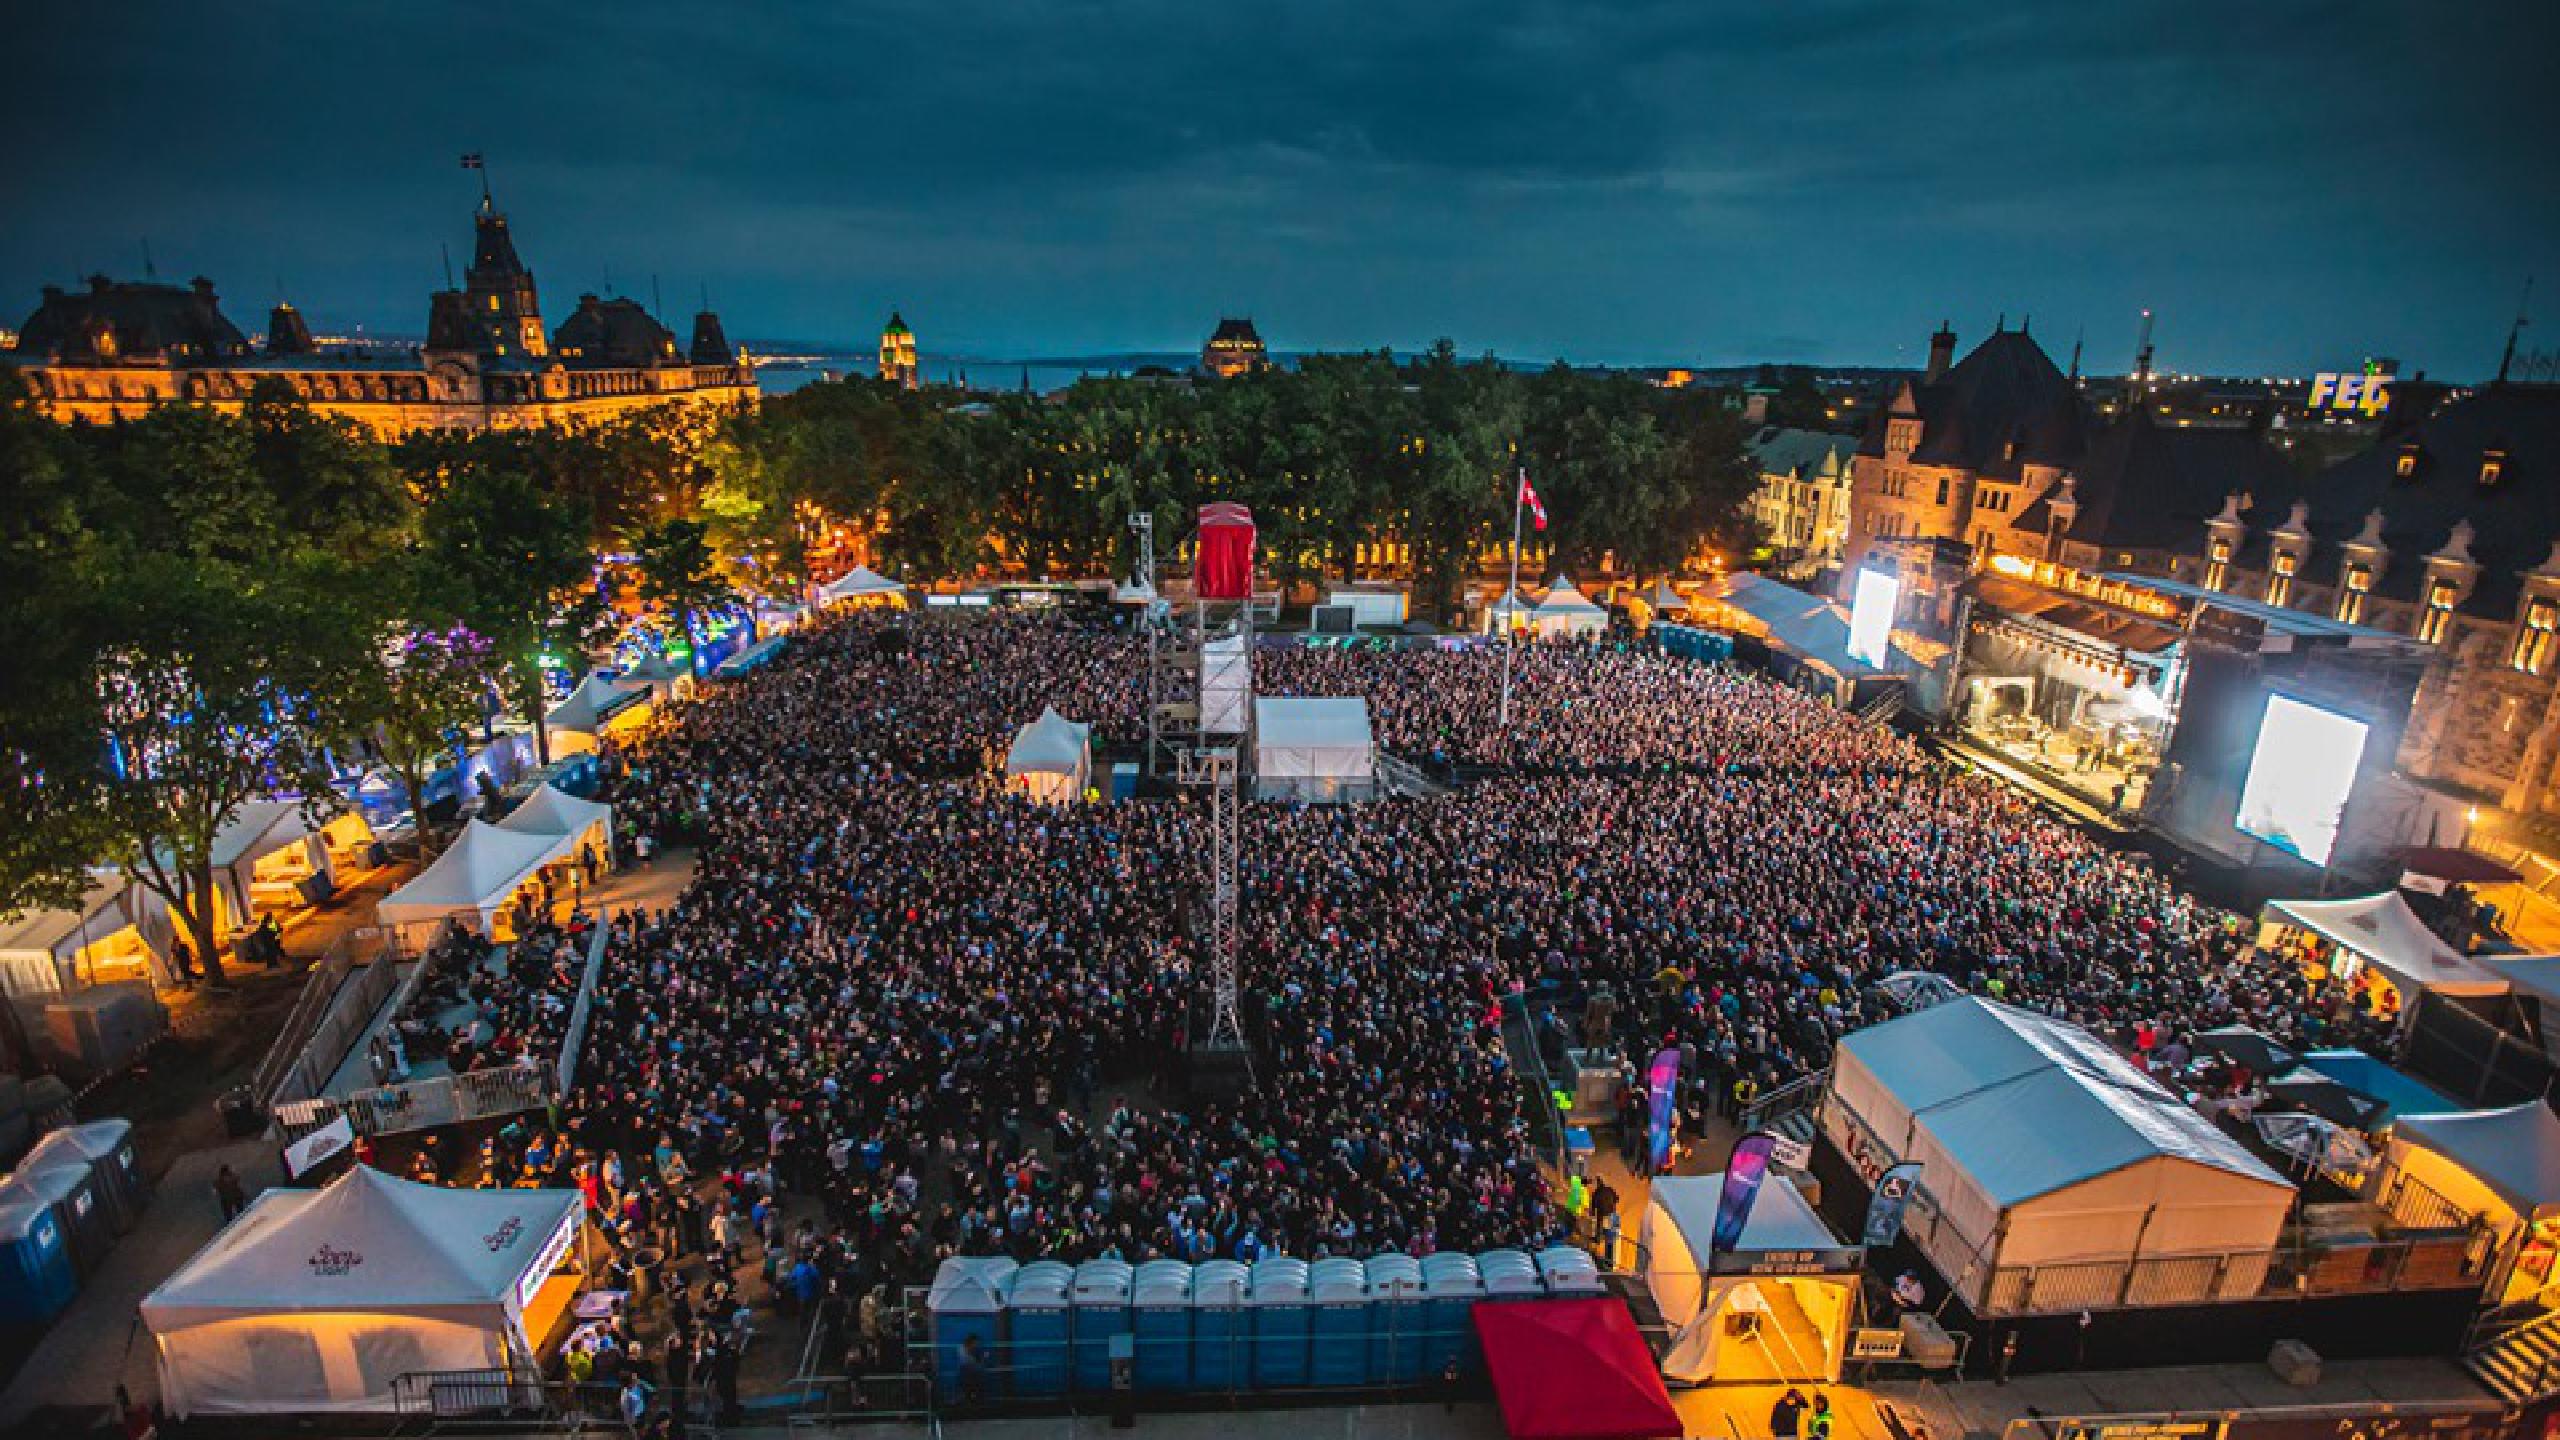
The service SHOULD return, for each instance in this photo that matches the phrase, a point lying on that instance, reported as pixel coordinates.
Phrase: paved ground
(1982, 1407)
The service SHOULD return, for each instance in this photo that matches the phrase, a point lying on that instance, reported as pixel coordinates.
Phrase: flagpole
(1511, 598)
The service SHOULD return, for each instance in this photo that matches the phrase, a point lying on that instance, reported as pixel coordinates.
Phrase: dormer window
(2539, 636)
(2353, 588)
(2406, 467)
(2280, 571)
(2493, 467)
(2437, 618)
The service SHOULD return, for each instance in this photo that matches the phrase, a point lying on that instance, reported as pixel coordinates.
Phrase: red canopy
(1573, 1370)
(1224, 570)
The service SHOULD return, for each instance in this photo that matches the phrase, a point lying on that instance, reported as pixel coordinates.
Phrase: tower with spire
(496, 313)
(898, 352)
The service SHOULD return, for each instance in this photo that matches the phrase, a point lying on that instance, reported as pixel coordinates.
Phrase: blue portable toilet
(1219, 1327)
(1160, 1314)
(1035, 1315)
(106, 1147)
(73, 1193)
(967, 1299)
(1282, 1338)
(1570, 1270)
(36, 1279)
(1338, 1294)
(1509, 1275)
(1397, 1317)
(1100, 1299)
(1451, 1287)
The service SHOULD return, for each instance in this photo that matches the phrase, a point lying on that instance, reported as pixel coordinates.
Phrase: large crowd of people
(957, 1020)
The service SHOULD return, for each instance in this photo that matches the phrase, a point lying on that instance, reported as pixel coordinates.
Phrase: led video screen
(1871, 616)
(2299, 776)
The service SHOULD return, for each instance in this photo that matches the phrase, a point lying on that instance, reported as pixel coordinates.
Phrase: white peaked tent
(317, 1300)
(2382, 931)
(1674, 1245)
(570, 823)
(1663, 599)
(114, 927)
(1565, 611)
(860, 583)
(2501, 1163)
(595, 707)
(2038, 1146)
(1508, 613)
(1314, 748)
(1051, 759)
(472, 880)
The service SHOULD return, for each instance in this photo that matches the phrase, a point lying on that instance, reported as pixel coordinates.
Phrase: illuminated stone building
(1236, 348)
(898, 352)
(116, 349)
(1802, 505)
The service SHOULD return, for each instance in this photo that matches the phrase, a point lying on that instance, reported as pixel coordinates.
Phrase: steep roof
(710, 341)
(2147, 486)
(897, 325)
(1238, 330)
(613, 333)
(2003, 406)
(127, 317)
(493, 250)
(1784, 451)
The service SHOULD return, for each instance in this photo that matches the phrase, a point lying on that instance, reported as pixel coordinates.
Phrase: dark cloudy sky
(2292, 185)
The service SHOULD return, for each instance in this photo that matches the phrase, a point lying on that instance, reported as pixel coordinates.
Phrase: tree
(425, 686)
(680, 578)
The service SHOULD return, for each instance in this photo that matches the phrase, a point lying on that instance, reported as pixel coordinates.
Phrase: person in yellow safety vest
(1564, 1101)
(1577, 1196)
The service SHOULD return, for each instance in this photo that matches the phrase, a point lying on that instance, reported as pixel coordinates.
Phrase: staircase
(1399, 776)
(1791, 1111)
(2521, 1363)
(1882, 709)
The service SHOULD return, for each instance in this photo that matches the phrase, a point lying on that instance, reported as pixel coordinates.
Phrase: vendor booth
(318, 1300)
(2498, 1169)
(1051, 760)
(272, 859)
(1564, 612)
(116, 932)
(1507, 614)
(1314, 748)
(1779, 1306)
(574, 827)
(2050, 1166)
(862, 587)
(2378, 945)
(472, 881)
(596, 709)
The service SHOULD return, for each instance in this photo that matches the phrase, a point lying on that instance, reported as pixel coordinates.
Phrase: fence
(2471, 1059)
(574, 1039)
(425, 1104)
(337, 1002)
(2450, 1420)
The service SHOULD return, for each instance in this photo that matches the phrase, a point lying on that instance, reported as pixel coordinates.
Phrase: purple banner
(1743, 1172)
(1663, 1084)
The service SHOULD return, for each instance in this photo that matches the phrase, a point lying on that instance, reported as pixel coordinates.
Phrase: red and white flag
(1529, 497)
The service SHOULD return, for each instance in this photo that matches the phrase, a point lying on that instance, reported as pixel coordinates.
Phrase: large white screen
(1871, 616)
(2299, 777)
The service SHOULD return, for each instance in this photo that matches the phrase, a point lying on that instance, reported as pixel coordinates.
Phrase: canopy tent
(1573, 1370)
(2321, 1145)
(2253, 1048)
(1664, 599)
(1564, 610)
(1051, 759)
(1800, 623)
(571, 824)
(2400, 1093)
(1919, 989)
(751, 658)
(1803, 1319)
(2327, 1097)
(664, 678)
(474, 877)
(1508, 613)
(2535, 978)
(863, 584)
(270, 847)
(2382, 931)
(117, 931)
(317, 1300)
(2510, 1155)
(2040, 1145)
(1317, 748)
(598, 707)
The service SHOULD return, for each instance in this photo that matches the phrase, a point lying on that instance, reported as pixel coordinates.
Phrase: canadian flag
(1529, 497)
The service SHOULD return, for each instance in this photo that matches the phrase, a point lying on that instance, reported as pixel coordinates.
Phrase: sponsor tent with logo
(2497, 1168)
(862, 585)
(1314, 748)
(472, 880)
(1776, 1307)
(318, 1300)
(597, 708)
(1573, 1370)
(2379, 940)
(1051, 759)
(2048, 1158)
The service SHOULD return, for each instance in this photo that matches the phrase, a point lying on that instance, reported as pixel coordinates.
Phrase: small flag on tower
(1529, 497)
(472, 161)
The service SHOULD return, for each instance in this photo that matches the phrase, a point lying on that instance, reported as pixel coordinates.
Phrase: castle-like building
(1235, 348)
(898, 352)
(118, 348)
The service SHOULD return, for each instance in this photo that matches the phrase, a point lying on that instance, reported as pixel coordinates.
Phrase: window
(2406, 467)
(2493, 467)
(2537, 637)
(2217, 562)
(2437, 618)
(2280, 571)
(1942, 489)
(2353, 587)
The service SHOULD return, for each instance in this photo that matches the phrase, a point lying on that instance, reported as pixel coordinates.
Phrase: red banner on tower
(1225, 569)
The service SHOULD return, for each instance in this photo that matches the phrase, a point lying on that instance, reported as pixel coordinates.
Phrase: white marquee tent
(1673, 1244)
(2382, 931)
(2040, 1146)
(472, 879)
(1316, 748)
(1564, 610)
(1051, 759)
(860, 583)
(571, 824)
(596, 707)
(1507, 613)
(317, 1300)
(47, 952)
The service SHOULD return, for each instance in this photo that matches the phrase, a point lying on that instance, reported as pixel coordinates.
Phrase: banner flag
(1893, 1197)
(1743, 1172)
(1662, 1080)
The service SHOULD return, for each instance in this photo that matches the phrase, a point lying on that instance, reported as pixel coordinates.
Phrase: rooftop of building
(2004, 406)
(109, 319)
(1784, 450)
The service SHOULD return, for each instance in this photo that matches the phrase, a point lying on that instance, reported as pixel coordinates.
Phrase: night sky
(2292, 186)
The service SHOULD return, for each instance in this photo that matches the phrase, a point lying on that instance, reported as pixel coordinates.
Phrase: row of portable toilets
(60, 1213)
(1047, 1328)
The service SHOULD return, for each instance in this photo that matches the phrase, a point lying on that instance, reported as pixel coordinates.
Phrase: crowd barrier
(1049, 1329)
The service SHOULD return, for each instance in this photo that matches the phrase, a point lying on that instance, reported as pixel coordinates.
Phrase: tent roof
(2028, 1104)
(393, 1245)
(554, 813)
(1573, 1370)
(861, 580)
(260, 828)
(39, 931)
(1050, 745)
(1311, 722)
(1663, 597)
(1562, 599)
(593, 700)
(2535, 975)
(2383, 929)
(2515, 1151)
(1804, 624)
(1780, 1219)
(475, 870)
(1509, 603)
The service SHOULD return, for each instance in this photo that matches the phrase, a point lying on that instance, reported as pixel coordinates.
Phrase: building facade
(1235, 348)
(116, 349)
(1802, 505)
(898, 352)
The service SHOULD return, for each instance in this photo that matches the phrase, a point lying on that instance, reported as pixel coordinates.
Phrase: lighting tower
(1214, 769)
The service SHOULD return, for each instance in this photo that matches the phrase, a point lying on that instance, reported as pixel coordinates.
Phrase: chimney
(1942, 353)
